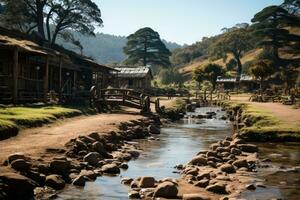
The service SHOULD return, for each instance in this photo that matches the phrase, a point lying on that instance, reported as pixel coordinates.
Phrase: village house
(133, 77)
(229, 83)
(29, 71)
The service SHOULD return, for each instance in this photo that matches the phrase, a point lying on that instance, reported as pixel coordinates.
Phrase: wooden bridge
(101, 98)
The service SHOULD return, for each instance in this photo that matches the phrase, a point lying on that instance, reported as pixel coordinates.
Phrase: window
(130, 82)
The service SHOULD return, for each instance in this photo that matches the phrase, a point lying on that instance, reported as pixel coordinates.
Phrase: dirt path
(282, 112)
(34, 141)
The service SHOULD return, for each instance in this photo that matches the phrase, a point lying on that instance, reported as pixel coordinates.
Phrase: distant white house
(133, 77)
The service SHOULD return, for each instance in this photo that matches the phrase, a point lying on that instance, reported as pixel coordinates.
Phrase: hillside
(105, 48)
(188, 68)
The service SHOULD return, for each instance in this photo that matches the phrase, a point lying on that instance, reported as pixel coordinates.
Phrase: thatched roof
(22, 45)
(133, 72)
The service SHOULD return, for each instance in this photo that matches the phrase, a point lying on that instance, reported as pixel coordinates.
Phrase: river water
(177, 144)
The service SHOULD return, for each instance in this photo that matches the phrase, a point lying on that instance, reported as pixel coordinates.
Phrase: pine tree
(145, 47)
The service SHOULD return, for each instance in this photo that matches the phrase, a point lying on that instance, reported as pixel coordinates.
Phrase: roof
(133, 72)
(233, 79)
(22, 45)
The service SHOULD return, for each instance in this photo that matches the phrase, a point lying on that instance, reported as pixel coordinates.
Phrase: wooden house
(29, 70)
(133, 77)
(229, 83)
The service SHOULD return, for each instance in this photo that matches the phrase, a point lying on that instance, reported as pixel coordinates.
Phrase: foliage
(187, 54)
(145, 47)
(169, 76)
(261, 69)
(236, 42)
(59, 16)
(209, 72)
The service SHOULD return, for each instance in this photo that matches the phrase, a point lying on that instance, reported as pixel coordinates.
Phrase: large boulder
(166, 189)
(20, 165)
(198, 160)
(92, 158)
(98, 147)
(111, 169)
(217, 188)
(250, 148)
(228, 168)
(18, 186)
(146, 182)
(153, 129)
(196, 196)
(55, 181)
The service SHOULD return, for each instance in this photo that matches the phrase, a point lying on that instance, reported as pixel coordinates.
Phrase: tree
(236, 42)
(145, 47)
(261, 69)
(59, 16)
(171, 75)
(270, 26)
(209, 72)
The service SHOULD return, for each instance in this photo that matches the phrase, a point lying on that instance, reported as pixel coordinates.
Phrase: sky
(180, 21)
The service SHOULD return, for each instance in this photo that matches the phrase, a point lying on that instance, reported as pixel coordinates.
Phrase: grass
(16, 118)
(261, 125)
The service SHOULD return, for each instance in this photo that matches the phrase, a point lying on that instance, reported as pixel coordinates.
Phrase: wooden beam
(46, 79)
(60, 76)
(15, 75)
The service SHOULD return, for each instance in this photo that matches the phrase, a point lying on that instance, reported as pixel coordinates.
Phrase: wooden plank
(15, 75)
(46, 80)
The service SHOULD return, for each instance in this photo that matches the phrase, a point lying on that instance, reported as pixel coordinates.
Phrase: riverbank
(74, 158)
(260, 122)
(15, 119)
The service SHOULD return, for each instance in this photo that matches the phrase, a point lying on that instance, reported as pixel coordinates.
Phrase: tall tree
(261, 69)
(209, 72)
(145, 47)
(59, 16)
(270, 26)
(235, 42)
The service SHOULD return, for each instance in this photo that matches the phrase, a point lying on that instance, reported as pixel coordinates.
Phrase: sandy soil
(34, 141)
(284, 113)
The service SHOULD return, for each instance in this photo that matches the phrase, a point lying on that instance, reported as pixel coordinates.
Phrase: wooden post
(15, 75)
(46, 79)
(60, 77)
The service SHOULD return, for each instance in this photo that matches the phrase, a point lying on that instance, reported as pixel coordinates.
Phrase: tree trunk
(40, 18)
(261, 86)
(239, 66)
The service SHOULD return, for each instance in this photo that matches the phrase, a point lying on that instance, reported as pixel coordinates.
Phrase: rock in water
(79, 181)
(153, 129)
(250, 148)
(146, 182)
(19, 187)
(111, 169)
(198, 160)
(55, 181)
(166, 189)
(92, 158)
(240, 163)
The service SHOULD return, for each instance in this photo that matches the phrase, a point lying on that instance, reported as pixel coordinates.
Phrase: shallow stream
(177, 144)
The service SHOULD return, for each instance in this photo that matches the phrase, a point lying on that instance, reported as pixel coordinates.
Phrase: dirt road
(284, 113)
(34, 141)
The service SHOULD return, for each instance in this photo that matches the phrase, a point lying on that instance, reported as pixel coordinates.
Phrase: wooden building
(229, 83)
(133, 77)
(29, 71)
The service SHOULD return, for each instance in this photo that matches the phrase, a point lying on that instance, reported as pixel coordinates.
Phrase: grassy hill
(187, 69)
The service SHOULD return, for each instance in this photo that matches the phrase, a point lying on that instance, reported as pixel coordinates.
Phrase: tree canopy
(145, 47)
(261, 69)
(209, 72)
(58, 16)
(236, 41)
